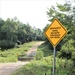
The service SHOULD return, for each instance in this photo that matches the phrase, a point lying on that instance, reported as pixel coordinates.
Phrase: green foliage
(39, 55)
(72, 69)
(4, 44)
(64, 8)
(15, 31)
(45, 49)
(34, 68)
(1, 22)
(42, 67)
(67, 50)
(11, 55)
(8, 59)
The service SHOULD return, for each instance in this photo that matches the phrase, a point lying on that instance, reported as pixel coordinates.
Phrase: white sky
(31, 11)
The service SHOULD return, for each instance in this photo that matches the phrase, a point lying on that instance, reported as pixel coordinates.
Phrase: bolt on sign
(55, 32)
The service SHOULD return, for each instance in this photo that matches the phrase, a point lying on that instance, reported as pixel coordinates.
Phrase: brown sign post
(55, 33)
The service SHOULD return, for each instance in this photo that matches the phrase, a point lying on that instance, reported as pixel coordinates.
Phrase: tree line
(13, 31)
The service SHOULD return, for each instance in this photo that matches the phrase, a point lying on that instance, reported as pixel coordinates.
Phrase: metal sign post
(54, 61)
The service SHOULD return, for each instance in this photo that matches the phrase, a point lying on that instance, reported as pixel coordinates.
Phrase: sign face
(55, 32)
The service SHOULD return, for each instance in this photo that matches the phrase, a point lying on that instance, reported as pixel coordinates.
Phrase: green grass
(40, 67)
(34, 68)
(11, 55)
(44, 66)
(45, 49)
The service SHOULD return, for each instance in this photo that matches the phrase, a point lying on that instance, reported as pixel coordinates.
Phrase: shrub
(39, 55)
(7, 59)
(4, 44)
(67, 50)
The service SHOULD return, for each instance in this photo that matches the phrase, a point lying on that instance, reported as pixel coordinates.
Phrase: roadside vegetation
(11, 55)
(42, 65)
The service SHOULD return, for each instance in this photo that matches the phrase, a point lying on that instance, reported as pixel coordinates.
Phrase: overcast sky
(31, 11)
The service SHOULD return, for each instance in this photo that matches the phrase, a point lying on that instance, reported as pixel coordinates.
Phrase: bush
(67, 50)
(7, 59)
(39, 55)
(4, 44)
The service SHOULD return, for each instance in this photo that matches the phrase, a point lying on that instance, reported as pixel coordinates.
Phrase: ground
(8, 68)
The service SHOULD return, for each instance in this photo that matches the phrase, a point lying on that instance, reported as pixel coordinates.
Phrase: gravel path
(8, 68)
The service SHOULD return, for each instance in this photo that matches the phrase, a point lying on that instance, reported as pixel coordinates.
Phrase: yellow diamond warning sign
(55, 32)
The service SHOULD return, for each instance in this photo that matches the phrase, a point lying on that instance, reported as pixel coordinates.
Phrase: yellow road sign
(55, 32)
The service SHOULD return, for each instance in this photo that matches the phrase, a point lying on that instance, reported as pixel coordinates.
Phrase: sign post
(55, 33)
(54, 61)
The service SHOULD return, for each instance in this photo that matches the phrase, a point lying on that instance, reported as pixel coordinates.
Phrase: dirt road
(8, 68)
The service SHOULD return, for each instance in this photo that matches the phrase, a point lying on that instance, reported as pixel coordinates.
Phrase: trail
(8, 68)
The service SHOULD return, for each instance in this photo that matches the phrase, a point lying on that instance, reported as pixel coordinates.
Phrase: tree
(22, 33)
(8, 34)
(2, 22)
(9, 28)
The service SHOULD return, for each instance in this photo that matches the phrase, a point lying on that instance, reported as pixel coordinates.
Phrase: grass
(33, 68)
(40, 67)
(45, 49)
(44, 66)
(11, 55)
